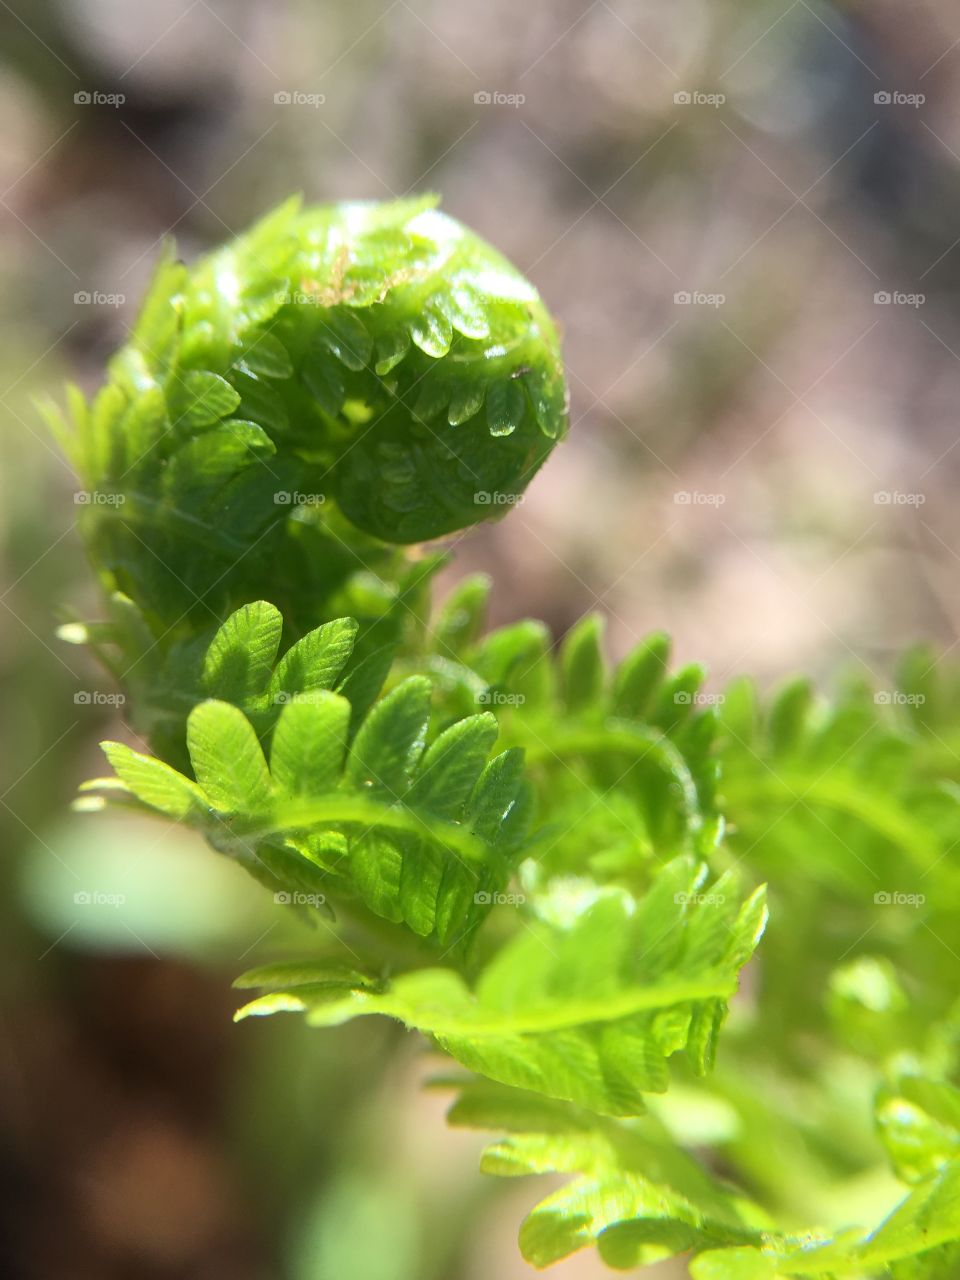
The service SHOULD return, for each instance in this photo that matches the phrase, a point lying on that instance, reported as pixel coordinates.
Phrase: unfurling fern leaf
(639, 1198)
(537, 854)
(586, 1004)
(417, 834)
(373, 368)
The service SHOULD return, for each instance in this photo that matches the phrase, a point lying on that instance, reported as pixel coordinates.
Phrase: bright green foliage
(342, 368)
(848, 808)
(585, 1004)
(628, 751)
(543, 863)
(639, 1198)
(416, 834)
(857, 770)
(633, 1191)
(919, 1122)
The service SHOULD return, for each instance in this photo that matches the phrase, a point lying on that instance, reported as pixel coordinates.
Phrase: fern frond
(639, 1198)
(420, 835)
(622, 760)
(852, 812)
(586, 1003)
(356, 367)
(534, 850)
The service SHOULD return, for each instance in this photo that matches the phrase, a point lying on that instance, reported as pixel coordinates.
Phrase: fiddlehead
(287, 415)
(393, 372)
(333, 382)
(336, 381)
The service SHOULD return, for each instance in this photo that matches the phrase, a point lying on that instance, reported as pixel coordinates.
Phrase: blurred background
(746, 217)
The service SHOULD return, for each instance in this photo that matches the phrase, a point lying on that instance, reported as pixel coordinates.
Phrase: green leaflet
(919, 1123)
(201, 399)
(638, 1198)
(633, 1192)
(423, 839)
(854, 761)
(627, 755)
(314, 662)
(155, 783)
(587, 1009)
(238, 663)
(925, 1219)
(391, 741)
(584, 674)
(853, 816)
(227, 760)
(240, 659)
(309, 744)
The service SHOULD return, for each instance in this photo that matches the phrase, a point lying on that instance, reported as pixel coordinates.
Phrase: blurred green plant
(563, 918)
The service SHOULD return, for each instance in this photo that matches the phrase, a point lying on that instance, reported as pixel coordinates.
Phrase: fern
(639, 1198)
(416, 835)
(550, 867)
(586, 1004)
